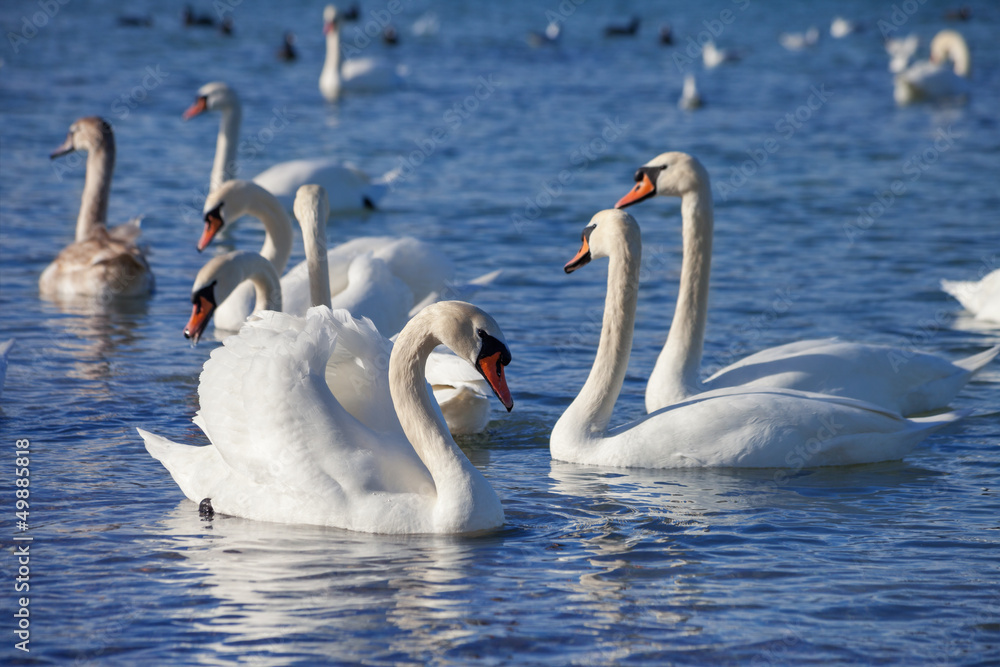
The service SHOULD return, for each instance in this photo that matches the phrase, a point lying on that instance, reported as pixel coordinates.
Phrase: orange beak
(642, 190)
(213, 223)
(492, 370)
(581, 258)
(201, 313)
(200, 106)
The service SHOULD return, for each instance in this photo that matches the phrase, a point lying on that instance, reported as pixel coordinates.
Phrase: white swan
(690, 98)
(101, 262)
(901, 380)
(944, 77)
(736, 427)
(979, 297)
(712, 56)
(357, 75)
(307, 426)
(841, 27)
(378, 277)
(371, 291)
(348, 187)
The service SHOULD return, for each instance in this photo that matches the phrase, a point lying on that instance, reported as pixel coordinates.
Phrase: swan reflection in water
(278, 590)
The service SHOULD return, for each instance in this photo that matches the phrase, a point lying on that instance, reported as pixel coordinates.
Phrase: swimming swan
(732, 427)
(903, 381)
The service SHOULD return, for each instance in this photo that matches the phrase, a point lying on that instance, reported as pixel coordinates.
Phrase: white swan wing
(765, 429)
(901, 379)
(981, 298)
(348, 187)
(374, 292)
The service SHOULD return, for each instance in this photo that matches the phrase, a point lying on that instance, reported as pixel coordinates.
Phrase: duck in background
(101, 262)
(287, 52)
(623, 30)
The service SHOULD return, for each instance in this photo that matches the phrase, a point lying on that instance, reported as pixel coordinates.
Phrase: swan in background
(381, 277)
(549, 37)
(901, 380)
(101, 262)
(356, 75)
(944, 77)
(690, 98)
(734, 427)
(981, 298)
(797, 41)
(841, 27)
(295, 438)
(900, 51)
(348, 187)
(712, 56)
(361, 280)
(4, 355)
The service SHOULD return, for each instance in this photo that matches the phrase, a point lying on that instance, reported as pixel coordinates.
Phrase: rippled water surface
(894, 563)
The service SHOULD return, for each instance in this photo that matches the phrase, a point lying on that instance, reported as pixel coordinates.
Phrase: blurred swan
(307, 426)
(547, 38)
(797, 41)
(690, 98)
(101, 262)
(361, 75)
(841, 27)
(349, 188)
(981, 298)
(900, 51)
(747, 427)
(901, 380)
(712, 56)
(943, 77)
(383, 278)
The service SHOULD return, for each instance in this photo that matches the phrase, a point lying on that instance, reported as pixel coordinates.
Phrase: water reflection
(279, 590)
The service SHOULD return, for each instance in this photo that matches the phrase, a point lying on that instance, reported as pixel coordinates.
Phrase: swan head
(232, 200)
(214, 96)
(86, 134)
(217, 280)
(604, 236)
(330, 22)
(669, 174)
(472, 334)
(311, 201)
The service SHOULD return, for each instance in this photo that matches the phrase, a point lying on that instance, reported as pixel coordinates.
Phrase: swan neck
(314, 238)
(278, 241)
(93, 215)
(422, 421)
(591, 410)
(267, 287)
(224, 168)
(679, 363)
(333, 62)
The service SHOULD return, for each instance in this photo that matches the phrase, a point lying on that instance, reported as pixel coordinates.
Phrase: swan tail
(935, 422)
(457, 291)
(976, 362)
(127, 232)
(194, 469)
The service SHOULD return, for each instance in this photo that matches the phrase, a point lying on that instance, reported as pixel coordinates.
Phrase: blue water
(894, 563)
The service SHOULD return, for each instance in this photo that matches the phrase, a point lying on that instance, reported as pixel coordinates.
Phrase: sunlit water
(891, 564)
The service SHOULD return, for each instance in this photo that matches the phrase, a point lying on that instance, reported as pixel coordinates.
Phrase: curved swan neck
(314, 238)
(267, 287)
(676, 372)
(96, 188)
(278, 240)
(590, 411)
(224, 168)
(454, 476)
